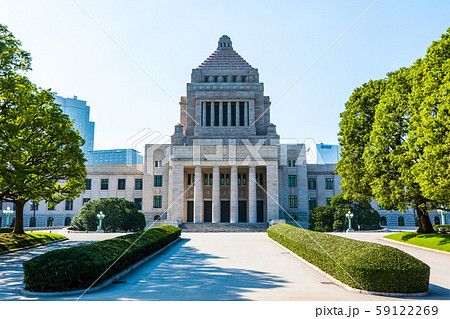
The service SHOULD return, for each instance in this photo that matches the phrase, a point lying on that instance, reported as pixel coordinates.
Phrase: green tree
(321, 218)
(120, 215)
(40, 152)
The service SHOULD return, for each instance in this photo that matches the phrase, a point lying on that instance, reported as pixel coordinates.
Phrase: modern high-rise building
(79, 111)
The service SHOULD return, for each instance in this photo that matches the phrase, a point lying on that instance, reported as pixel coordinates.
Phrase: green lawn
(434, 241)
(13, 241)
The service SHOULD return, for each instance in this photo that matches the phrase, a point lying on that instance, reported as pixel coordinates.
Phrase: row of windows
(121, 184)
(224, 179)
(312, 184)
(312, 202)
(224, 78)
(69, 204)
(211, 112)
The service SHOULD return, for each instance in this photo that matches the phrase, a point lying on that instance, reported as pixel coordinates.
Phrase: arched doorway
(383, 221)
(401, 221)
(156, 217)
(67, 221)
(436, 220)
(50, 222)
(33, 222)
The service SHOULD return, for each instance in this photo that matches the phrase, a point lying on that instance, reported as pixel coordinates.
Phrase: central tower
(224, 100)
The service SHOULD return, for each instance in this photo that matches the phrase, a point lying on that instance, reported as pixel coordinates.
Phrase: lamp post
(8, 212)
(349, 215)
(100, 217)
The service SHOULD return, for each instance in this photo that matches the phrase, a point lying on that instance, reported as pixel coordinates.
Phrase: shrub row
(6, 230)
(442, 229)
(9, 241)
(359, 264)
(79, 267)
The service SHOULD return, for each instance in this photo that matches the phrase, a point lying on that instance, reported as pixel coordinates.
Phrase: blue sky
(73, 56)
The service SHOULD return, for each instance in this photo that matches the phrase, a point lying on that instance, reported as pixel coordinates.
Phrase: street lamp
(349, 215)
(8, 212)
(100, 217)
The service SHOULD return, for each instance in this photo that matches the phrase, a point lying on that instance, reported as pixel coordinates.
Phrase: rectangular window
(208, 114)
(241, 114)
(239, 179)
(88, 184)
(85, 200)
(328, 183)
(156, 163)
(205, 177)
(138, 203)
(210, 179)
(34, 205)
(157, 201)
(328, 200)
(69, 204)
(244, 179)
(189, 180)
(312, 201)
(293, 163)
(121, 184)
(216, 114)
(222, 179)
(228, 179)
(51, 206)
(157, 180)
(233, 114)
(311, 183)
(260, 180)
(225, 114)
(138, 184)
(104, 184)
(292, 201)
(292, 180)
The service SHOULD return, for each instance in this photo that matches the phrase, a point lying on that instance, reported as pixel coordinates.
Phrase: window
(208, 114)
(259, 179)
(241, 114)
(189, 180)
(222, 179)
(289, 163)
(210, 179)
(69, 204)
(206, 78)
(157, 180)
(158, 163)
(244, 179)
(157, 201)
(216, 114)
(292, 180)
(312, 201)
(239, 179)
(328, 200)
(138, 184)
(292, 201)
(228, 179)
(50, 222)
(225, 114)
(436, 220)
(104, 184)
(34, 205)
(293, 163)
(383, 221)
(401, 221)
(67, 221)
(88, 184)
(121, 184)
(233, 114)
(156, 217)
(51, 206)
(311, 183)
(205, 179)
(85, 200)
(328, 183)
(138, 203)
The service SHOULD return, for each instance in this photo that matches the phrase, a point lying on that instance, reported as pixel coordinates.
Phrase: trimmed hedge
(78, 267)
(442, 229)
(367, 266)
(9, 241)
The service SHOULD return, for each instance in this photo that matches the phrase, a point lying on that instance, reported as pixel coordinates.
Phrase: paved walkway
(213, 266)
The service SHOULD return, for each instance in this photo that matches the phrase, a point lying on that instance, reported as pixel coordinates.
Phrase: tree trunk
(18, 224)
(425, 226)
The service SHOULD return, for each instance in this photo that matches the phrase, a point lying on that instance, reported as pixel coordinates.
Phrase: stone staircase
(223, 228)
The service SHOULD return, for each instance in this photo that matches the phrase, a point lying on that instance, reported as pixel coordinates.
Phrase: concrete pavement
(219, 266)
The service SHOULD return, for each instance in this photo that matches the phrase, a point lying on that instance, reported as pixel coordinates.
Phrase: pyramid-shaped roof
(225, 57)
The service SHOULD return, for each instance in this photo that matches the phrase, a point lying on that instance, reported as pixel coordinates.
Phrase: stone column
(204, 114)
(198, 195)
(252, 194)
(176, 197)
(238, 114)
(229, 113)
(234, 195)
(272, 190)
(216, 195)
(220, 113)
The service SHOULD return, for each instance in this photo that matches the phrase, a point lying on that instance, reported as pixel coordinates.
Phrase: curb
(104, 284)
(33, 246)
(347, 287)
(415, 246)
